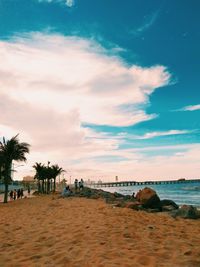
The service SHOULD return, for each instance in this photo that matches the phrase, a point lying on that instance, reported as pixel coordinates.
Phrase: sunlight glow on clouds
(50, 85)
(77, 74)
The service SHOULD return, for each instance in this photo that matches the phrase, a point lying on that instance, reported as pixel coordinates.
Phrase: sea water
(181, 193)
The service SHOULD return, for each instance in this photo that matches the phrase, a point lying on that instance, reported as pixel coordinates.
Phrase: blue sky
(103, 87)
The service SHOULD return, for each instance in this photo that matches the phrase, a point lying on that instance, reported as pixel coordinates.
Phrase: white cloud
(51, 84)
(48, 1)
(190, 108)
(77, 74)
(158, 134)
(69, 3)
(137, 167)
(147, 23)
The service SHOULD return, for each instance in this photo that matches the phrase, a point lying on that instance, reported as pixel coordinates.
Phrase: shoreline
(26, 195)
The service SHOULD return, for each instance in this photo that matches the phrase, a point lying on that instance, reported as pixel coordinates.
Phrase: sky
(103, 88)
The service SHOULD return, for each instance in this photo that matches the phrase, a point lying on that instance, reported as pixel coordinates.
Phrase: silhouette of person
(14, 194)
(76, 185)
(11, 195)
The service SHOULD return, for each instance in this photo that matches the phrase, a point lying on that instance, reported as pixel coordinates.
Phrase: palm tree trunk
(48, 185)
(39, 186)
(51, 185)
(54, 185)
(43, 186)
(6, 193)
(7, 179)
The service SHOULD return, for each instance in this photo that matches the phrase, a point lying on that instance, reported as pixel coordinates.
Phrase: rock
(186, 212)
(148, 198)
(133, 205)
(168, 205)
(118, 195)
(127, 197)
(119, 204)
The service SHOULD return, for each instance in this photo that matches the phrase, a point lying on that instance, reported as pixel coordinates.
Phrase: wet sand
(80, 232)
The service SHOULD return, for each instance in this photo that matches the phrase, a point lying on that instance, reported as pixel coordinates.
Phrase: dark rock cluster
(146, 199)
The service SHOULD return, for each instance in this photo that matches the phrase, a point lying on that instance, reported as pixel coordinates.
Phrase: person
(11, 195)
(22, 192)
(76, 185)
(18, 193)
(81, 184)
(29, 190)
(66, 192)
(14, 194)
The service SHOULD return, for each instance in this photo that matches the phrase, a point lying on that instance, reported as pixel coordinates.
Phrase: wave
(192, 188)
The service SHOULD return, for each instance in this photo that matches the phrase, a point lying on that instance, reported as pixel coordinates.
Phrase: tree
(56, 170)
(39, 168)
(11, 150)
(46, 174)
(1, 167)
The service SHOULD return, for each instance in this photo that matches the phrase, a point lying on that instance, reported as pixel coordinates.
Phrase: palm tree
(1, 166)
(39, 168)
(48, 172)
(11, 150)
(56, 170)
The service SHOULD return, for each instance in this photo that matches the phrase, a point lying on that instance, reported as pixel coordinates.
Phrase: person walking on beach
(11, 195)
(18, 193)
(29, 190)
(14, 194)
(22, 192)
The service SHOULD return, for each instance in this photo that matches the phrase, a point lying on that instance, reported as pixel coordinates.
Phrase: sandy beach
(80, 232)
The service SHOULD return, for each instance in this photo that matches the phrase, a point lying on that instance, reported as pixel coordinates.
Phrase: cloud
(158, 134)
(127, 136)
(138, 167)
(148, 22)
(190, 108)
(50, 85)
(69, 3)
(78, 74)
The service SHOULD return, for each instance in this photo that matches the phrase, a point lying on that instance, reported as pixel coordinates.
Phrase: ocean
(183, 193)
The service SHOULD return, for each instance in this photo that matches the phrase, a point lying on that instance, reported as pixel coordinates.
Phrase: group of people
(78, 185)
(18, 193)
(15, 194)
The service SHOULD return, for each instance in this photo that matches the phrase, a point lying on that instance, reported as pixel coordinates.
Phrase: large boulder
(187, 212)
(148, 198)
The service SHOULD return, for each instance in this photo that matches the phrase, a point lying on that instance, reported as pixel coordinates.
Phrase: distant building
(29, 182)
(28, 179)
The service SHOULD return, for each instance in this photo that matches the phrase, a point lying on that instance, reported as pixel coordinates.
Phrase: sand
(80, 232)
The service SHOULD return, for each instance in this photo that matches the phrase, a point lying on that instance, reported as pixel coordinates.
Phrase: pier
(132, 183)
